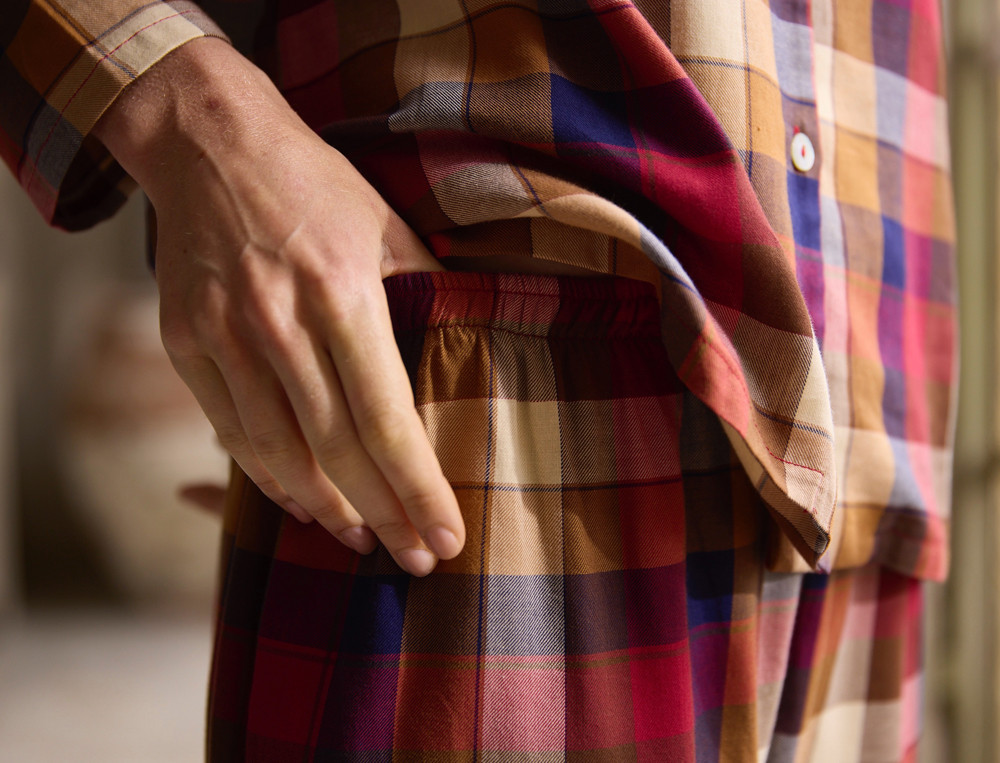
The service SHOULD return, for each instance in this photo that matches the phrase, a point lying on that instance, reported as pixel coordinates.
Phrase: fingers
(377, 391)
(296, 366)
(256, 423)
(279, 463)
(373, 447)
(277, 442)
(315, 394)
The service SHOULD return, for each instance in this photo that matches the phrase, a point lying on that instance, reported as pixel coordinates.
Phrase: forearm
(63, 65)
(271, 250)
(203, 100)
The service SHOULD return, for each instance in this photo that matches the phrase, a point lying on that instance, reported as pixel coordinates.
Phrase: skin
(271, 250)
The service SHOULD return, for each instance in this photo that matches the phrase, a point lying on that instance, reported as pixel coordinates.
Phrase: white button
(803, 153)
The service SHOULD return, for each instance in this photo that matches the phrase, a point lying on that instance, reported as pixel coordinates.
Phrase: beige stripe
(94, 81)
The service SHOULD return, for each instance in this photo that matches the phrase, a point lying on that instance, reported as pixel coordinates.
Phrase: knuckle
(390, 529)
(339, 300)
(203, 310)
(419, 502)
(178, 339)
(196, 337)
(268, 324)
(330, 514)
(207, 326)
(338, 313)
(257, 310)
(275, 446)
(336, 446)
(232, 438)
(315, 279)
(382, 424)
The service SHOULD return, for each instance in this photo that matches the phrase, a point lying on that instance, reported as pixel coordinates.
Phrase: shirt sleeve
(62, 65)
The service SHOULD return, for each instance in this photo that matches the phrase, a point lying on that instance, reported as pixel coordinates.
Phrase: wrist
(202, 99)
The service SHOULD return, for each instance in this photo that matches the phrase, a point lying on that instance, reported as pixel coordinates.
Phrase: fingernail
(298, 512)
(443, 542)
(359, 538)
(417, 561)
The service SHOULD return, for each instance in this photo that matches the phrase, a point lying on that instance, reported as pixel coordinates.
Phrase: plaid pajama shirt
(807, 324)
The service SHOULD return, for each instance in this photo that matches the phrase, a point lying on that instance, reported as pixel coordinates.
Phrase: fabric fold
(672, 191)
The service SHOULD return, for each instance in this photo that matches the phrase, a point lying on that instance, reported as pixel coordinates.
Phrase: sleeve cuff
(70, 177)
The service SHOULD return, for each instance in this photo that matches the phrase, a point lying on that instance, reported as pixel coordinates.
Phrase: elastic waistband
(537, 305)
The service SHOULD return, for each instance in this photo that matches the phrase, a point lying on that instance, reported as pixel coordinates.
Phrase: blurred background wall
(105, 578)
(102, 430)
(964, 641)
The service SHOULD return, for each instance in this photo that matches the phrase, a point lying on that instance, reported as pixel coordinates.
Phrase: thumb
(403, 251)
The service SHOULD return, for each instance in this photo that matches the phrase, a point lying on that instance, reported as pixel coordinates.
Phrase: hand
(271, 250)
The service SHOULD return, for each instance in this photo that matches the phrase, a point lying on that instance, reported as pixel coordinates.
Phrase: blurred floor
(103, 687)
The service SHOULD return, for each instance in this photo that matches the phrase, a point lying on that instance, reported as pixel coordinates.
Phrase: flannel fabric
(616, 134)
(644, 139)
(802, 400)
(870, 229)
(612, 603)
(63, 63)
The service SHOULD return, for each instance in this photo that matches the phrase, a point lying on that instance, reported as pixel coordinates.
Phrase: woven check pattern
(611, 603)
(63, 63)
(492, 134)
(628, 469)
(483, 125)
(870, 230)
(643, 139)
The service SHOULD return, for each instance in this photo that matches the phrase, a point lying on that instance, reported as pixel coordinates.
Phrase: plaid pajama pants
(611, 603)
